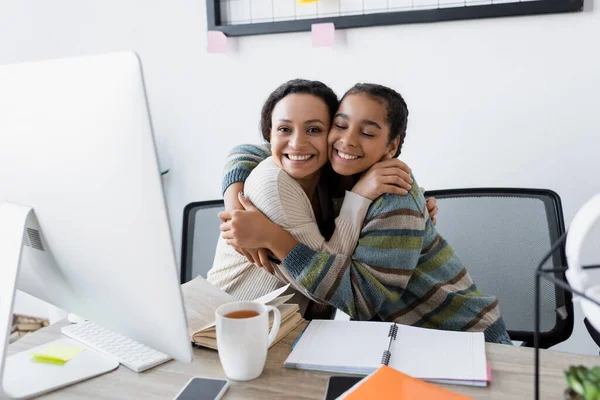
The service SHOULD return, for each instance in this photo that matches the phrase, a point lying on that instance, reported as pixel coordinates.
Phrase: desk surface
(512, 373)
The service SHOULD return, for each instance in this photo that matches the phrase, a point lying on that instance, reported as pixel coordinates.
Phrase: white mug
(243, 342)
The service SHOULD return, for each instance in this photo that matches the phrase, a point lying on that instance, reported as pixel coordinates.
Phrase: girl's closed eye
(368, 134)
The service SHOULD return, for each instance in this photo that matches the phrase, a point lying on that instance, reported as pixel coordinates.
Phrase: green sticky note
(57, 353)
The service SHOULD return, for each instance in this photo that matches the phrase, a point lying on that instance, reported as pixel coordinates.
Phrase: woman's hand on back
(387, 176)
(230, 197)
(250, 230)
(232, 203)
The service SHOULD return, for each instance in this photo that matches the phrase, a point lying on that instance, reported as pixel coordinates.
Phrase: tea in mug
(241, 314)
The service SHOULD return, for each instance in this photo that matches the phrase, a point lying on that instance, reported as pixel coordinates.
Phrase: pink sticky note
(323, 34)
(217, 42)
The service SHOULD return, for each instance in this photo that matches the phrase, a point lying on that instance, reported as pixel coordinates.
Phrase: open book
(201, 299)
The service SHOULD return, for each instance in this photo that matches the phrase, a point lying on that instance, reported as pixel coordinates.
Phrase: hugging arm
(366, 282)
(362, 284)
(277, 206)
(277, 211)
(374, 277)
(241, 160)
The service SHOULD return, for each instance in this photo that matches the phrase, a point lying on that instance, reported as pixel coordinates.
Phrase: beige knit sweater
(284, 202)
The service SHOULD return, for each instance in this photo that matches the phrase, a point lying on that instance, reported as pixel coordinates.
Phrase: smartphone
(203, 389)
(338, 385)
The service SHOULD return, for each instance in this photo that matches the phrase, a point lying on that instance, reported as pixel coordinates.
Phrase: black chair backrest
(501, 234)
(200, 236)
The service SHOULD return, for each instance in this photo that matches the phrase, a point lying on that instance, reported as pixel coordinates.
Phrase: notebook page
(348, 344)
(201, 299)
(279, 301)
(270, 298)
(436, 354)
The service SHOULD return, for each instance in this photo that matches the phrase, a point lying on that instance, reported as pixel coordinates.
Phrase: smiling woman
(298, 137)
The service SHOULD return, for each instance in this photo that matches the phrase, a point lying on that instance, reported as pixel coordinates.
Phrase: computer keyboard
(130, 353)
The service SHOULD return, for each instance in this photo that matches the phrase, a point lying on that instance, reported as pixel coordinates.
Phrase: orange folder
(387, 383)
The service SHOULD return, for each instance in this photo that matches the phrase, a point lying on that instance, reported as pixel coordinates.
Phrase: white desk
(512, 372)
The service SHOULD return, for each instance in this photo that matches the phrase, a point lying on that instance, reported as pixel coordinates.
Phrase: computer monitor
(81, 189)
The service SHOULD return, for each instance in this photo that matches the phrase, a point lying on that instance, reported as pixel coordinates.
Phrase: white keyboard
(130, 353)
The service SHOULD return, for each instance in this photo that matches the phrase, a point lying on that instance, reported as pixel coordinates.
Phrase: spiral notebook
(357, 347)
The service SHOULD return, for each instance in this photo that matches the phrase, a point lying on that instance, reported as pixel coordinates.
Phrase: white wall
(498, 102)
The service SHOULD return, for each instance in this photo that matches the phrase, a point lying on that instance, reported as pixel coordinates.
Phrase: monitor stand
(20, 376)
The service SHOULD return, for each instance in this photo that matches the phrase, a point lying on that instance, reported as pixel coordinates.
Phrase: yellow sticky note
(57, 353)
(307, 1)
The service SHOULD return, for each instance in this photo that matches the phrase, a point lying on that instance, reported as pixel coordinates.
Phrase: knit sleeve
(303, 224)
(348, 225)
(284, 202)
(378, 272)
(241, 161)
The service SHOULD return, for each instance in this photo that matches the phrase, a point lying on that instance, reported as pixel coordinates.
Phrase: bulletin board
(256, 17)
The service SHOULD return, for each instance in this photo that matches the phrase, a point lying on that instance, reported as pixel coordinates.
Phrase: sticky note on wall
(216, 42)
(307, 1)
(323, 34)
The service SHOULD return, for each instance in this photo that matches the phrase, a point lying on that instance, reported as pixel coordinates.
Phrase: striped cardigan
(402, 270)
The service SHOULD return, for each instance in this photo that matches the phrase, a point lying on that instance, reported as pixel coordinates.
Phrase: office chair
(500, 234)
(200, 236)
(199, 241)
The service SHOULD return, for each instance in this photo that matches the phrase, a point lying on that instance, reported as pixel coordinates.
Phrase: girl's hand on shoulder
(387, 176)
(432, 207)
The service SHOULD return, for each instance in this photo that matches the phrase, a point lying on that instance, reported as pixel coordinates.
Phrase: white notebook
(356, 347)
